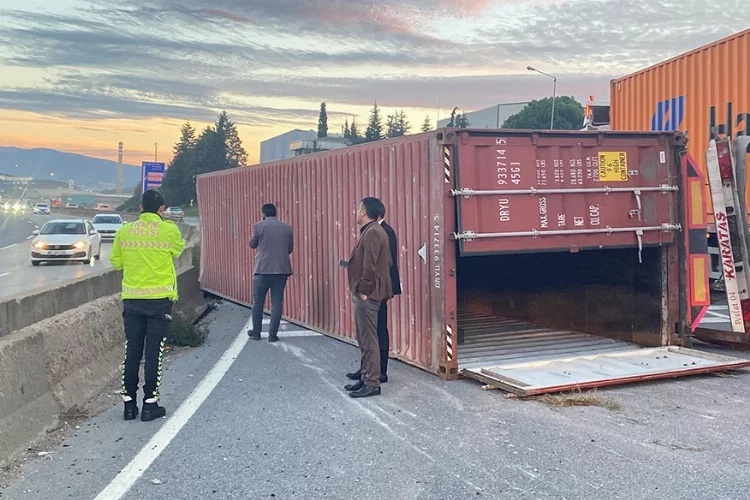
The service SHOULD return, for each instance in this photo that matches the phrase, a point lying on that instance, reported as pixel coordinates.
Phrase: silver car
(41, 209)
(73, 240)
(107, 225)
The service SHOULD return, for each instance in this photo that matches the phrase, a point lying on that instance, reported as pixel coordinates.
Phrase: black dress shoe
(366, 392)
(152, 411)
(253, 336)
(355, 386)
(383, 379)
(131, 410)
(354, 375)
(273, 338)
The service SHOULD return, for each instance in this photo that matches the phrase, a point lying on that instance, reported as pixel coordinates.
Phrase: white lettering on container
(437, 252)
(543, 220)
(561, 220)
(503, 209)
(579, 222)
(594, 215)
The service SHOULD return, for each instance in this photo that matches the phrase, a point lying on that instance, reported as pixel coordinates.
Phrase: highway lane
(17, 228)
(17, 274)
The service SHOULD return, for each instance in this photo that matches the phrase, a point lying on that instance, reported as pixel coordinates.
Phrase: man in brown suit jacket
(368, 271)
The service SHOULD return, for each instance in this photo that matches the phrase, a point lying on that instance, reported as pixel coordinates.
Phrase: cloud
(190, 60)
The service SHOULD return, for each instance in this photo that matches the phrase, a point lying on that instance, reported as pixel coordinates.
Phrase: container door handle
(639, 235)
(637, 194)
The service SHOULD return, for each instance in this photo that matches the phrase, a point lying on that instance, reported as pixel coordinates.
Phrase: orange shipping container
(704, 93)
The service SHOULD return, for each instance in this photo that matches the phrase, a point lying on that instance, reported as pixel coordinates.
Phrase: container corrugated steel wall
(414, 176)
(318, 195)
(702, 92)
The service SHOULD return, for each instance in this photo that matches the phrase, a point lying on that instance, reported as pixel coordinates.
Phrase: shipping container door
(521, 191)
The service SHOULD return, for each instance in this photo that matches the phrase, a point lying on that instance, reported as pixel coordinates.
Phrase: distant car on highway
(102, 207)
(71, 205)
(14, 208)
(174, 213)
(73, 240)
(107, 225)
(41, 209)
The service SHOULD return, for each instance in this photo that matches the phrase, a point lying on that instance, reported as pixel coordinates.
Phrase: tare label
(613, 166)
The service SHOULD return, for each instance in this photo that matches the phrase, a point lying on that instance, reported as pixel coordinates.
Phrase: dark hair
(381, 209)
(372, 207)
(269, 210)
(152, 200)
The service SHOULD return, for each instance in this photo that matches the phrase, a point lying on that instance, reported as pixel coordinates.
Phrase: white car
(41, 209)
(107, 225)
(73, 240)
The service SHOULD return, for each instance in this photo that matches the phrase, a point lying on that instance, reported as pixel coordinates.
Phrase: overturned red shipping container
(515, 247)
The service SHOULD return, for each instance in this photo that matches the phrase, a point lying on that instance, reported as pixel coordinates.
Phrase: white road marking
(4, 274)
(30, 237)
(159, 442)
(9, 246)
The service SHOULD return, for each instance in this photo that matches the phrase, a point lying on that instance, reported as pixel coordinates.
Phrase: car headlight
(80, 244)
(40, 244)
(6, 206)
(24, 207)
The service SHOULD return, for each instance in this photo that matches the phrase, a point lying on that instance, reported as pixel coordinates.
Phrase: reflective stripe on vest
(169, 289)
(145, 244)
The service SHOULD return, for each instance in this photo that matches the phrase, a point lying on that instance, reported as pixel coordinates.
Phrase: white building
(492, 117)
(277, 148)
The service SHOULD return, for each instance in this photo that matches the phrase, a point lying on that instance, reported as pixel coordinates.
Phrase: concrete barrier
(63, 347)
(24, 309)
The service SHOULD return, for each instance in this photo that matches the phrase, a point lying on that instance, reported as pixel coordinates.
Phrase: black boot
(365, 392)
(273, 338)
(152, 411)
(131, 410)
(355, 375)
(253, 336)
(355, 386)
(383, 367)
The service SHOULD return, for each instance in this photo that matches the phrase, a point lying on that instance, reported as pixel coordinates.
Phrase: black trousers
(262, 283)
(147, 323)
(383, 339)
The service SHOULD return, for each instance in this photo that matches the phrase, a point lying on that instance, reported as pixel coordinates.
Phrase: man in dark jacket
(275, 242)
(368, 271)
(383, 335)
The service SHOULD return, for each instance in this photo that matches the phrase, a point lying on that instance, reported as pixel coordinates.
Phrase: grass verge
(578, 399)
(185, 334)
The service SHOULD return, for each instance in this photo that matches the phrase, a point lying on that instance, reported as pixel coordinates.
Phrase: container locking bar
(468, 192)
(535, 233)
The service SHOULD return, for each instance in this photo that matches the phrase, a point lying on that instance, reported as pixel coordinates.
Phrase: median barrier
(61, 346)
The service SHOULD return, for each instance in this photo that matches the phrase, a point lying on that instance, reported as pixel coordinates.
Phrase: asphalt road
(16, 273)
(278, 425)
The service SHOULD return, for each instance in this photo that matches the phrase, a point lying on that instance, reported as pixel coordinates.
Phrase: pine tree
(229, 140)
(402, 124)
(323, 121)
(426, 125)
(374, 130)
(354, 133)
(391, 126)
(347, 134)
(187, 140)
(463, 121)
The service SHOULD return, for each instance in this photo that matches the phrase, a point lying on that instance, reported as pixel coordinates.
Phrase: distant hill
(86, 172)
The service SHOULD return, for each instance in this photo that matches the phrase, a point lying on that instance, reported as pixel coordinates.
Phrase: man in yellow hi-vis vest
(144, 251)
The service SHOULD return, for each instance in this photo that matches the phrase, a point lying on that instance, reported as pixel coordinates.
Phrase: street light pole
(554, 92)
(156, 149)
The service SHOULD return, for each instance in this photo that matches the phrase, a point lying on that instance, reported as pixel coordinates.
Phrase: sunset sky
(80, 75)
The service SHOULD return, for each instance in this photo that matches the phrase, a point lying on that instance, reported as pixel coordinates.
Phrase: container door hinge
(465, 235)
